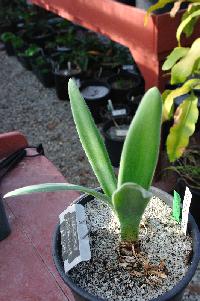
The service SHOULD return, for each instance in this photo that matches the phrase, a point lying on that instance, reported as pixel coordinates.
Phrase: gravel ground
(27, 106)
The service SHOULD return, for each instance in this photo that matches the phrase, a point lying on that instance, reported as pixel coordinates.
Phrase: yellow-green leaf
(169, 100)
(185, 118)
(186, 66)
(188, 29)
(184, 23)
(158, 5)
(174, 56)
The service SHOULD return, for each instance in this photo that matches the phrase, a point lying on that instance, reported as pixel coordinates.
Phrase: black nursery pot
(96, 95)
(195, 203)
(44, 74)
(25, 61)
(120, 110)
(9, 48)
(133, 102)
(124, 83)
(114, 143)
(175, 294)
(62, 77)
(4, 224)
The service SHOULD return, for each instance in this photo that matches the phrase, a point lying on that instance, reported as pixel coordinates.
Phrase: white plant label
(121, 132)
(185, 209)
(74, 236)
(119, 112)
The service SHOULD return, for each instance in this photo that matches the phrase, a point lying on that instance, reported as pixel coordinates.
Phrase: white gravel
(164, 252)
(27, 106)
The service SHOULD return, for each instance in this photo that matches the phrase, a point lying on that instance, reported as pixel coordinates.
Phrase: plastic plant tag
(130, 68)
(110, 105)
(176, 210)
(121, 132)
(74, 236)
(119, 112)
(185, 210)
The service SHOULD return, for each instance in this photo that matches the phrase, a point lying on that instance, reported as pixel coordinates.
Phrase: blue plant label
(74, 236)
(176, 210)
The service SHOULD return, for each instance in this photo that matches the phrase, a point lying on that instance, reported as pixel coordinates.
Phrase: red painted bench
(27, 271)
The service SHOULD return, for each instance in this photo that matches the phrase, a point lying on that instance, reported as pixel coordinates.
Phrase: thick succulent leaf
(174, 56)
(185, 118)
(184, 23)
(140, 151)
(91, 141)
(129, 202)
(169, 100)
(52, 187)
(187, 65)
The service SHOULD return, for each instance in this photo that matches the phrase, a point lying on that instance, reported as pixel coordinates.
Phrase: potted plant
(7, 38)
(114, 132)
(27, 55)
(127, 197)
(124, 83)
(96, 94)
(43, 70)
(62, 74)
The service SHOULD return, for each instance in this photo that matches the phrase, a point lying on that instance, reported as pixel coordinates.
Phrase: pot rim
(180, 286)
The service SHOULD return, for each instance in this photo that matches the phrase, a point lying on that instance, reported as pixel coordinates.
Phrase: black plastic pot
(133, 102)
(120, 110)
(106, 71)
(96, 95)
(195, 203)
(25, 61)
(114, 144)
(62, 77)
(175, 294)
(129, 83)
(44, 74)
(9, 48)
(4, 224)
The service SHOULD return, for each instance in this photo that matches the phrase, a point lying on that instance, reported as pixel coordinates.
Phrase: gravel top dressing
(118, 273)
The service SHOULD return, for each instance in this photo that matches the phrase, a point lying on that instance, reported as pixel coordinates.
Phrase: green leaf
(130, 201)
(184, 23)
(189, 28)
(52, 187)
(187, 65)
(174, 56)
(185, 118)
(158, 5)
(169, 100)
(91, 141)
(141, 146)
